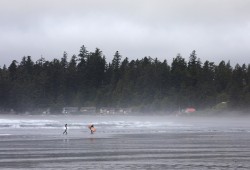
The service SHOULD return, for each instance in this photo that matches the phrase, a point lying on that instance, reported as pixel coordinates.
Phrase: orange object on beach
(190, 110)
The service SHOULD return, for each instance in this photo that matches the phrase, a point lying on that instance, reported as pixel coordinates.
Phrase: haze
(217, 29)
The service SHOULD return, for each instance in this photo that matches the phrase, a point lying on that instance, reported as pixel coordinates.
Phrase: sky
(217, 29)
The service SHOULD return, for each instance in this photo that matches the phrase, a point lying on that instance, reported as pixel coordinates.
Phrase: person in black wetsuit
(66, 129)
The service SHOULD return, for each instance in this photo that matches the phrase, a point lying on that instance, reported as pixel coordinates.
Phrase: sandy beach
(207, 147)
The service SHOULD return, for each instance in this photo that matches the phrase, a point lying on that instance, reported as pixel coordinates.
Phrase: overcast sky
(217, 29)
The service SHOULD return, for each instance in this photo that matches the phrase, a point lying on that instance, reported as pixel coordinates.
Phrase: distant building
(110, 110)
(88, 110)
(68, 110)
(46, 112)
(185, 112)
(107, 110)
(125, 110)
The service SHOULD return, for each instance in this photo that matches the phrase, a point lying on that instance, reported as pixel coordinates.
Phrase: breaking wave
(106, 124)
(55, 124)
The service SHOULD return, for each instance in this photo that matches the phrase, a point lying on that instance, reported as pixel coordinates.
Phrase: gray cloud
(216, 29)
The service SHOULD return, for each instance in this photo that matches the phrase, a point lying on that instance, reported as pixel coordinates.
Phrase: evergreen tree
(145, 84)
(116, 67)
(207, 91)
(178, 72)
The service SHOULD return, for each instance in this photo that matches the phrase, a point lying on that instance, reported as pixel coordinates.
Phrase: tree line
(145, 84)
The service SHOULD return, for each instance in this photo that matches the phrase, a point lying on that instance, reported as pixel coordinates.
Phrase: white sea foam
(5, 134)
(119, 123)
(28, 123)
(76, 124)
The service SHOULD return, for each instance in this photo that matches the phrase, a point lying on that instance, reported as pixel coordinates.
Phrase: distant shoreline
(157, 113)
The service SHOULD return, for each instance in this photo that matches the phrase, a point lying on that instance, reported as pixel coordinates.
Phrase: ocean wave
(54, 124)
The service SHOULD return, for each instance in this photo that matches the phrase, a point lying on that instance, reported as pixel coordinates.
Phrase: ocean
(124, 142)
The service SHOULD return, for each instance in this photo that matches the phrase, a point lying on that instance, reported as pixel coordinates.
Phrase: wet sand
(162, 150)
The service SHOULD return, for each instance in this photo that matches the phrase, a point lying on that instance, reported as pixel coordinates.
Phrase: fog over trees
(145, 84)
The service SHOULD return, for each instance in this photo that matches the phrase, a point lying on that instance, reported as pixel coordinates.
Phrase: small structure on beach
(190, 110)
(88, 110)
(68, 110)
(110, 110)
(107, 110)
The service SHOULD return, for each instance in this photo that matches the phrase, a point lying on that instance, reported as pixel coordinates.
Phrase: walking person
(66, 129)
(92, 129)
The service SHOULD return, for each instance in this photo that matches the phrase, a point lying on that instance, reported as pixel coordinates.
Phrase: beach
(142, 145)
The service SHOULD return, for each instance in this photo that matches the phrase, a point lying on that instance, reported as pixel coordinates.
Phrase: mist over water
(124, 142)
(121, 123)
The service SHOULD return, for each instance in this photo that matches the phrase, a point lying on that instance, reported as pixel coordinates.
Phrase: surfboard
(93, 129)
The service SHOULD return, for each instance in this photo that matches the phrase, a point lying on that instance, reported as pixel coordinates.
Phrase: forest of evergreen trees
(145, 84)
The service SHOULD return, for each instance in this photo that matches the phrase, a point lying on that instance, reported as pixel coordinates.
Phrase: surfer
(91, 127)
(66, 128)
